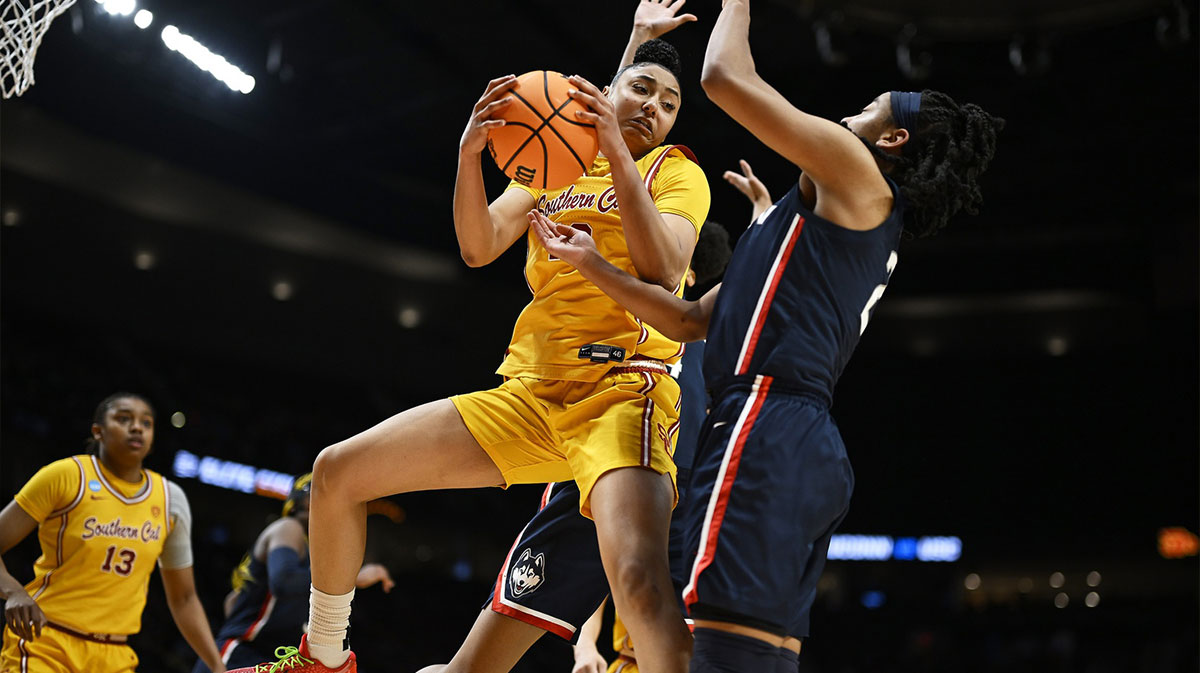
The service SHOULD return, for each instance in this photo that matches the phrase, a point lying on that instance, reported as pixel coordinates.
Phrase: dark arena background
(277, 270)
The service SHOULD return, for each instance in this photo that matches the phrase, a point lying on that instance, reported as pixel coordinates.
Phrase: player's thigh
(495, 644)
(426, 447)
(632, 509)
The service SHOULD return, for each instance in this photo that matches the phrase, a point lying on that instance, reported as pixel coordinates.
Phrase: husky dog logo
(528, 573)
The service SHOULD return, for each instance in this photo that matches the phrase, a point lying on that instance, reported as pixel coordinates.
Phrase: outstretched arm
(677, 319)
(587, 657)
(831, 155)
(651, 19)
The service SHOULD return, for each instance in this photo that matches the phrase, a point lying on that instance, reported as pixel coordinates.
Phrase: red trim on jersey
(764, 301)
(717, 507)
(498, 593)
(264, 613)
(545, 496)
(226, 648)
(650, 174)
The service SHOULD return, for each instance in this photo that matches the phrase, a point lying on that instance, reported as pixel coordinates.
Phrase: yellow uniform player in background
(103, 522)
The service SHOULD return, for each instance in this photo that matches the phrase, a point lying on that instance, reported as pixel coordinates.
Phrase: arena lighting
(143, 18)
(233, 476)
(215, 64)
(121, 7)
(1177, 542)
(930, 549)
(409, 317)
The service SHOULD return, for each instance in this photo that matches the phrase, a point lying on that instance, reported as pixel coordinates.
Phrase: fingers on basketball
(543, 144)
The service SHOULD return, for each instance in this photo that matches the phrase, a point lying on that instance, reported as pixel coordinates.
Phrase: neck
(130, 473)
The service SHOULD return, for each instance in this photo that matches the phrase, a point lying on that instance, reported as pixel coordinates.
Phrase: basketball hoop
(24, 24)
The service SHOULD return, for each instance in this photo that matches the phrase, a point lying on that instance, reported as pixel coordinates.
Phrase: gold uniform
(100, 539)
(563, 415)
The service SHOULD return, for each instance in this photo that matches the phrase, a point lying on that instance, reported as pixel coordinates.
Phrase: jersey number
(582, 226)
(877, 294)
(124, 564)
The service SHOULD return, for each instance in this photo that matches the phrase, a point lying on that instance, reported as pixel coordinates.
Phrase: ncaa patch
(93, 485)
(528, 573)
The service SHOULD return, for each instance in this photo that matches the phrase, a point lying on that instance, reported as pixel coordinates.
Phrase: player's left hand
(588, 660)
(654, 18)
(569, 244)
(374, 573)
(601, 112)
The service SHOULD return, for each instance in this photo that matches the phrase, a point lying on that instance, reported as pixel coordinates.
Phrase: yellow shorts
(623, 664)
(57, 652)
(539, 430)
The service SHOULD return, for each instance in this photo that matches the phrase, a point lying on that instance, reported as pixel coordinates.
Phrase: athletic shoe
(298, 660)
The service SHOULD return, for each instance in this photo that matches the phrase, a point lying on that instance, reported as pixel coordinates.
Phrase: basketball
(541, 144)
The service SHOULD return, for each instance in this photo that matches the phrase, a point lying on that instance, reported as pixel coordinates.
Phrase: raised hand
(23, 616)
(569, 244)
(373, 573)
(483, 115)
(751, 186)
(654, 18)
(601, 112)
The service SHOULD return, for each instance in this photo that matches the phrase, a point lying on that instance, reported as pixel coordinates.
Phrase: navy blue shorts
(770, 484)
(553, 577)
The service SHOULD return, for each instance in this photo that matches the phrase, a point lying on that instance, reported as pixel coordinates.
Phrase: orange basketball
(542, 144)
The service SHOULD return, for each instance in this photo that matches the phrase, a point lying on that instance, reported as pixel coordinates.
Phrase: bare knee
(640, 587)
(332, 472)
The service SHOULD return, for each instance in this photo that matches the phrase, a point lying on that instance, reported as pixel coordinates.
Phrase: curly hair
(938, 169)
(655, 52)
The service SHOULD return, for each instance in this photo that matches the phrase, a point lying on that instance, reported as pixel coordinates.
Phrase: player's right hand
(23, 616)
(654, 18)
(483, 116)
(568, 244)
(751, 187)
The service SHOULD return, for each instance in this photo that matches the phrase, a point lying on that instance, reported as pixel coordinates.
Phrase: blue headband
(906, 105)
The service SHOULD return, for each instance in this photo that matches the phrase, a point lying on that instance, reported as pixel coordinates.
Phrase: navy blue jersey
(796, 296)
(694, 400)
(259, 614)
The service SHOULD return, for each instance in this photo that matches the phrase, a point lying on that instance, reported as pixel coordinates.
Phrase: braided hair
(938, 169)
(654, 52)
(93, 444)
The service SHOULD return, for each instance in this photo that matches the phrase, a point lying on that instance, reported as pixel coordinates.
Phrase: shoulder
(286, 532)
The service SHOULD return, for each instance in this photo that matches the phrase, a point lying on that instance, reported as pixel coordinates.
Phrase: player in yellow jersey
(104, 522)
(587, 395)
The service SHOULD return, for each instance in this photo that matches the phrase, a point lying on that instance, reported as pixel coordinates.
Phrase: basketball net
(24, 24)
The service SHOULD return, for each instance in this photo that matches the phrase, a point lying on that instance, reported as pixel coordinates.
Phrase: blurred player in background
(103, 522)
(269, 601)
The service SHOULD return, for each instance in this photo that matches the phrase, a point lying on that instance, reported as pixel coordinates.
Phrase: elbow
(473, 259)
(715, 79)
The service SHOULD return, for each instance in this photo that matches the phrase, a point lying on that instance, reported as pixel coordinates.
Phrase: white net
(24, 24)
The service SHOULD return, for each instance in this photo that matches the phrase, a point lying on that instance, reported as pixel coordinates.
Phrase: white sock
(328, 621)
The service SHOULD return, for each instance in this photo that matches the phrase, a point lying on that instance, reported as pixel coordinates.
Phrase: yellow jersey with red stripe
(567, 311)
(100, 538)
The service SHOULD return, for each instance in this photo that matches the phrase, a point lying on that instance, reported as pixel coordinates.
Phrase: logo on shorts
(94, 485)
(528, 573)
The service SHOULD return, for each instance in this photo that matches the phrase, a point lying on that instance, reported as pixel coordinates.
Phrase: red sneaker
(297, 660)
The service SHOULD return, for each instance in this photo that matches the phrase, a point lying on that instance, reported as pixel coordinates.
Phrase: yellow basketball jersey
(100, 538)
(567, 311)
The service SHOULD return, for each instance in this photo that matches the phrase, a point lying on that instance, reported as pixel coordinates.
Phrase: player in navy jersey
(269, 601)
(771, 480)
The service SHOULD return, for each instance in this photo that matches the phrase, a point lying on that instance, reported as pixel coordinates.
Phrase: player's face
(127, 432)
(646, 100)
(874, 121)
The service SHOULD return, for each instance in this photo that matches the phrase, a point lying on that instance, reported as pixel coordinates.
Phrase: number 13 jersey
(100, 538)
